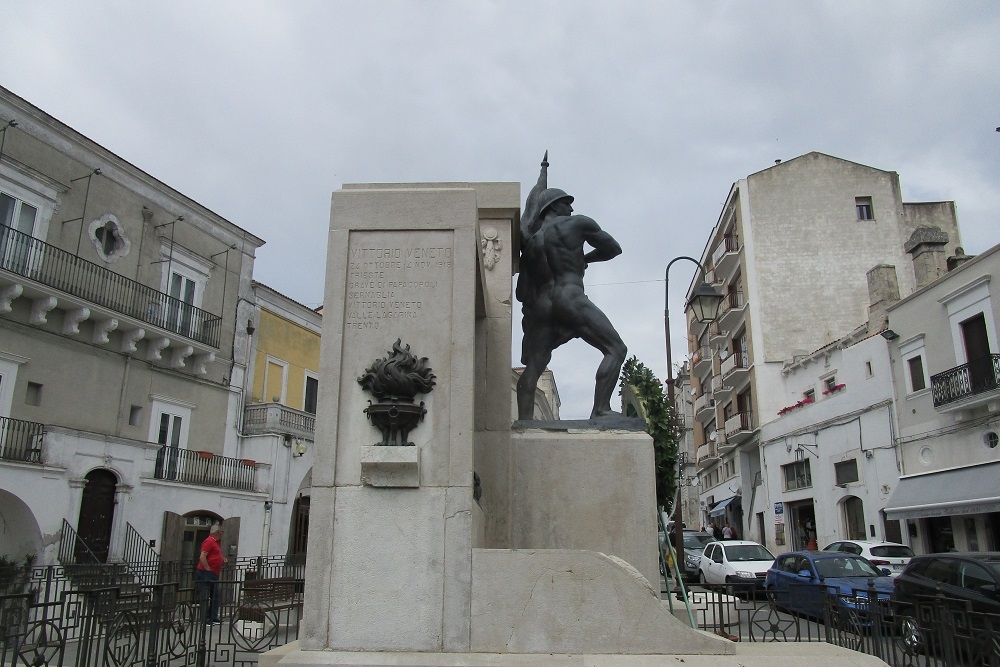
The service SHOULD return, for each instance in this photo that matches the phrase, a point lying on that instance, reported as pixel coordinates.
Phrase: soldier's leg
(598, 331)
(536, 358)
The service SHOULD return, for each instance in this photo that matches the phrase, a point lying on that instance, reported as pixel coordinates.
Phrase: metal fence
(69, 616)
(55, 615)
(933, 632)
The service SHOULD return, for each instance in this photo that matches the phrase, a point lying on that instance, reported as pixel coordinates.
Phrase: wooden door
(97, 513)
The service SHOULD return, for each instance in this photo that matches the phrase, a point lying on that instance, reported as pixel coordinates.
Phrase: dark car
(801, 580)
(694, 543)
(962, 588)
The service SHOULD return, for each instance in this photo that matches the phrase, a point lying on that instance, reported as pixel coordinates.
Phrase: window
(915, 366)
(846, 471)
(17, 214)
(830, 382)
(912, 353)
(18, 223)
(809, 395)
(868, 369)
(863, 205)
(797, 475)
(169, 435)
(185, 276)
(108, 236)
(311, 394)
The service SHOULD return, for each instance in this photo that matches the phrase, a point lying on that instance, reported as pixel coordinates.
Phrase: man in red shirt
(206, 574)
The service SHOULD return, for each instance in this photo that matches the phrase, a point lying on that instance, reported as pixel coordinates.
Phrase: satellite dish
(713, 435)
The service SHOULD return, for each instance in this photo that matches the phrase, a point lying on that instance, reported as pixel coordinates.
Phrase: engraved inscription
(390, 284)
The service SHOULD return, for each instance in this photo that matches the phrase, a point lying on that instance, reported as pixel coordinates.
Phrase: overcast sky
(650, 111)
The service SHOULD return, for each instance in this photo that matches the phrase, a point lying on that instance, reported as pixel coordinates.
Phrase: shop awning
(720, 509)
(960, 491)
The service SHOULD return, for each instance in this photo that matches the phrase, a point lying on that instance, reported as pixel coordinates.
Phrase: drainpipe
(265, 542)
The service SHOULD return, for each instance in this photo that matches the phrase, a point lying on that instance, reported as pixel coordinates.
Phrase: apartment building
(790, 251)
(279, 413)
(946, 370)
(123, 346)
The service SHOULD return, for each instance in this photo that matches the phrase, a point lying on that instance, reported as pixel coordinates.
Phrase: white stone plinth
(591, 490)
(390, 466)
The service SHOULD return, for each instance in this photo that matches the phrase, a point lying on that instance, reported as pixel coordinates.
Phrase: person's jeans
(208, 594)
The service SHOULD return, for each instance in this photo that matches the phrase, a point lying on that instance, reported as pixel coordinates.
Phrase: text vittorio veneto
(379, 289)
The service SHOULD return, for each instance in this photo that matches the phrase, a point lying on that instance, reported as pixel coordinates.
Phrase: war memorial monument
(552, 559)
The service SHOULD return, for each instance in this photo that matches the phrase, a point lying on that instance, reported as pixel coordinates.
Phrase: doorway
(801, 524)
(854, 518)
(97, 513)
(940, 534)
(977, 353)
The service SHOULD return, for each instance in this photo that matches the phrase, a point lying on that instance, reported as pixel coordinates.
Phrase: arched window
(854, 518)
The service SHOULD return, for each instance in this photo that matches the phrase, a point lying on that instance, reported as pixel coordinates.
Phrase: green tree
(661, 424)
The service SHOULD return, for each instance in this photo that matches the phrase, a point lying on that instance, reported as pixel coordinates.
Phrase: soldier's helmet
(549, 197)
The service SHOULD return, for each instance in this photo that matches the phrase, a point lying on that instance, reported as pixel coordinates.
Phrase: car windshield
(845, 567)
(747, 552)
(695, 541)
(892, 551)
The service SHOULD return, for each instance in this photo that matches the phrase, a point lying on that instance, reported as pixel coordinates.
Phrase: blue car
(800, 580)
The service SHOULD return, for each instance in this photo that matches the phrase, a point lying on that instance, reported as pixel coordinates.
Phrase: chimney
(926, 245)
(883, 291)
(958, 259)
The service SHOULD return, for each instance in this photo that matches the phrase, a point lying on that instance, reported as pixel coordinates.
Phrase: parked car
(891, 555)
(734, 562)
(694, 542)
(800, 580)
(966, 586)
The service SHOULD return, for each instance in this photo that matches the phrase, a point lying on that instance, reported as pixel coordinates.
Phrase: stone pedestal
(586, 488)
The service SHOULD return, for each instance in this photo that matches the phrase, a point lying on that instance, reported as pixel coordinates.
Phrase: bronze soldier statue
(554, 307)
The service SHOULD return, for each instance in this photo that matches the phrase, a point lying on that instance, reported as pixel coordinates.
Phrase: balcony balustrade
(261, 418)
(734, 369)
(706, 456)
(732, 311)
(717, 336)
(701, 361)
(21, 440)
(704, 407)
(205, 469)
(726, 256)
(968, 385)
(739, 428)
(25, 256)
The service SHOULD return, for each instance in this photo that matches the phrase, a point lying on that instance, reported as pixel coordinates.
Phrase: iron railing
(36, 260)
(205, 468)
(73, 550)
(139, 555)
(21, 440)
(976, 377)
(47, 620)
(276, 418)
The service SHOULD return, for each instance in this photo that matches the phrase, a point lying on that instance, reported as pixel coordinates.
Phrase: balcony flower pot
(248, 462)
(206, 455)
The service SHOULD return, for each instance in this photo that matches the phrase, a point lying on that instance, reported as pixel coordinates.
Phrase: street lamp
(705, 303)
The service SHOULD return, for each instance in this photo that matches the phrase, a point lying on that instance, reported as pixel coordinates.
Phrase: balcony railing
(21, 440)
(205, 468)
(36, 260)
(976, 377)
(263, 418)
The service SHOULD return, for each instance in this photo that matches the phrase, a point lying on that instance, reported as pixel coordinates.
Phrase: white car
(734, 562)
(890, 555)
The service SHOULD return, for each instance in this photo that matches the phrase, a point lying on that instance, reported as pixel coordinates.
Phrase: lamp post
(705, 302)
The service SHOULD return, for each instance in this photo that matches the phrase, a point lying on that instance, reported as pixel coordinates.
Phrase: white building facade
(946, 368)
(123, 346)
(791, 252)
